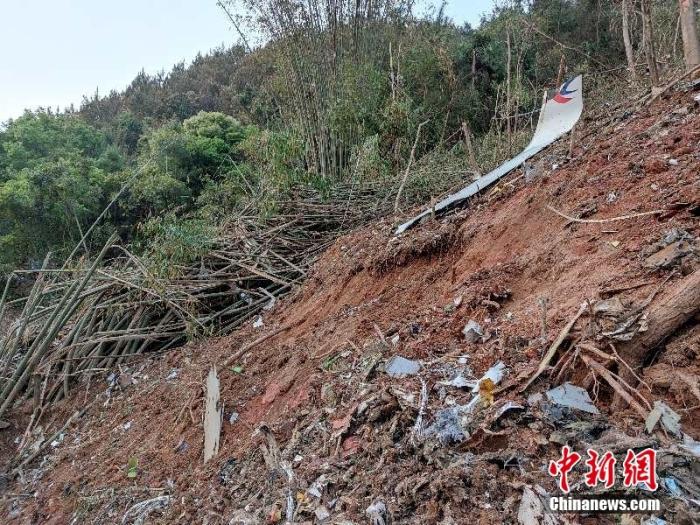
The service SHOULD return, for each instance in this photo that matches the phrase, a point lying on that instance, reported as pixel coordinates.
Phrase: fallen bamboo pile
(93, 316)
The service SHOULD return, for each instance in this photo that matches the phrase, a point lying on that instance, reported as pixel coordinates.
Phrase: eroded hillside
(315, 426)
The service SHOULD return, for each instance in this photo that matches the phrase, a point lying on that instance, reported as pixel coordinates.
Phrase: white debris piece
(472, 332)
(398, 367)
(322, 514)
(571, 396)
(669, 419)
(532, 511)
(691, 445)
(558, 116)
(459, 381)
(495, 374)
(377, 513)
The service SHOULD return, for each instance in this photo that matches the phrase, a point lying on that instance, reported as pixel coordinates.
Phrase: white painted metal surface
(558, 116)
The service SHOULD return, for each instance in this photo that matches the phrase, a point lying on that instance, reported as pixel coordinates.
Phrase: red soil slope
(318, 391)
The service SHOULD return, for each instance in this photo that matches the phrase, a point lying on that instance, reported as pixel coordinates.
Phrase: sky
(56, 51)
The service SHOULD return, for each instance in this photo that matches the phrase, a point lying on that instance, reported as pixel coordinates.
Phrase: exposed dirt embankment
(317, 390)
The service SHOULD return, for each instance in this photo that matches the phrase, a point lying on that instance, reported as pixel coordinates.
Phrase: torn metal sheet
(670, 420)
(557, 117)
(399, 366)
(571, 396)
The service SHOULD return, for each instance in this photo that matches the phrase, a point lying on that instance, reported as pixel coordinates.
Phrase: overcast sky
(56, 51)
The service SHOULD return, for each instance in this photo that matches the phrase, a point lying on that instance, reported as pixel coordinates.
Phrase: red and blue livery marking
(562, 95)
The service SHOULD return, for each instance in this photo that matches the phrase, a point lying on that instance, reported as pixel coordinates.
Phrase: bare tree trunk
(508, 101)
(629, 51)
(649, 48)
(560, 73)
(691, 44)
(471, 157)
(408, 167)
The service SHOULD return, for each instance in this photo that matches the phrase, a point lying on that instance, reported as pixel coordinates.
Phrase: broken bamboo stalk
(555, 346)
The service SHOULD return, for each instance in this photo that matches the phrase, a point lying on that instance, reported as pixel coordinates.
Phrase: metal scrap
(141, 510)
(571, 396)
(670, 420)
(398, 367)
(532, 509)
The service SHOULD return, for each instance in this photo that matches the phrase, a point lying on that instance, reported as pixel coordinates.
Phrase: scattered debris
(612, 307)
(322, 513)
(507, 407)
(139, 512)
(317, 488)
(447, 426)
(468, 451)
(670, 255)
(691, 445)
(228, 472)
(494, 374)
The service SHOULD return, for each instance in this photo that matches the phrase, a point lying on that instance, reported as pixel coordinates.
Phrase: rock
(472, 332)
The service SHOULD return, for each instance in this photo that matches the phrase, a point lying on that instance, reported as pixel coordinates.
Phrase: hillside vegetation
(331, 98)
